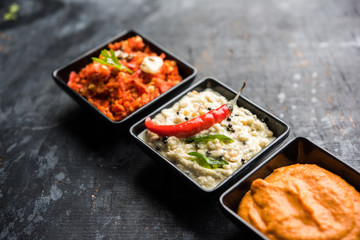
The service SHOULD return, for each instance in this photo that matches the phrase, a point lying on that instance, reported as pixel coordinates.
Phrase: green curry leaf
(207, 162)
(207, 138)
(111, 60)
(12, 13)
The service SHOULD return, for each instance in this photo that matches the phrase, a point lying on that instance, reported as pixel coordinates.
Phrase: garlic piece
(151, 64)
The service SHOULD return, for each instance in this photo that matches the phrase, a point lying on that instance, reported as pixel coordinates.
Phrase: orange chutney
(118, 93)
(303, 201)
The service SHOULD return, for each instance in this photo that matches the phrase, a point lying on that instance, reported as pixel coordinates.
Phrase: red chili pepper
(191, 127)
(195, 125)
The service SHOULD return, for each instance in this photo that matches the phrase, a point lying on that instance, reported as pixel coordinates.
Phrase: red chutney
(119, 93)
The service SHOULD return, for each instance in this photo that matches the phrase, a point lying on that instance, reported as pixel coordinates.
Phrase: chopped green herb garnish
(11, 14)
(111, 60)
(207, 138)
(208, 162)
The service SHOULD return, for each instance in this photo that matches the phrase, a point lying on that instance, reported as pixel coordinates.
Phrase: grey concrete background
(63, 175)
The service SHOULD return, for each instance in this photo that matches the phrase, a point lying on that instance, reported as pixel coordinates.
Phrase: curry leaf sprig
(204, 139)
(12, 13)
(208, 162)
(111, 60)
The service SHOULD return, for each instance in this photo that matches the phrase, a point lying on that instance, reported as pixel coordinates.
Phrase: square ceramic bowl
(61, 76)
(299, 150)
(279, 128)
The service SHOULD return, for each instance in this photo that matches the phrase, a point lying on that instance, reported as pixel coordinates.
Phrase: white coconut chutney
(249, 133)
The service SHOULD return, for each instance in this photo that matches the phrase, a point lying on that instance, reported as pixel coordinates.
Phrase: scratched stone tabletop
(66, 175)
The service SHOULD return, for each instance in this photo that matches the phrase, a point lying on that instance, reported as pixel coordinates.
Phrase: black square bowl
(61, 76)
(279, 128)
(299, 150)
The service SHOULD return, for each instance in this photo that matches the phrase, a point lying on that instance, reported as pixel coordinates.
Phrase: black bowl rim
(100, 46)
(268, 159)
(277, 141)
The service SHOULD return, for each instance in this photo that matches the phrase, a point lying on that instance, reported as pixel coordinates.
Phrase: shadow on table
(198, 212)
(106, 143)
(112, 148)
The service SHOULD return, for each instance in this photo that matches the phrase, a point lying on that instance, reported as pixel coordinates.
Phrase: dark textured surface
(64, 175)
